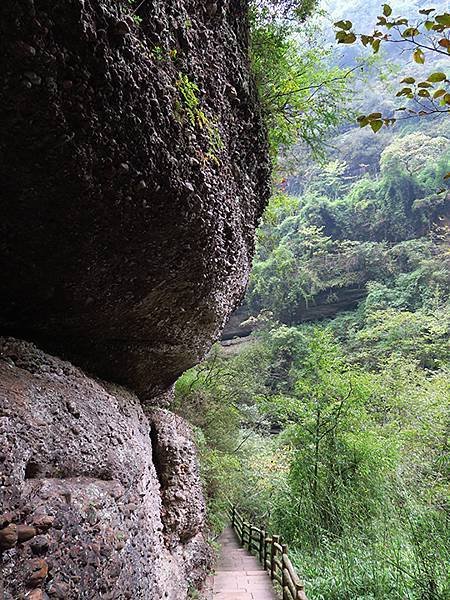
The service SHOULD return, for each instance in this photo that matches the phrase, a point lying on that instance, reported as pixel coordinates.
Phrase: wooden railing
(272, 554)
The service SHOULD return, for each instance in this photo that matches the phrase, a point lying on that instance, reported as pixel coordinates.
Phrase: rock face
(327, 304)
(103, 499)
(134, 168)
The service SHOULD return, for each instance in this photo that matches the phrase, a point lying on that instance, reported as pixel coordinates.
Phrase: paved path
(239, 576)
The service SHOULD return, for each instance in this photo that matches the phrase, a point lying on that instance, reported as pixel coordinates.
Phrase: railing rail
(272, 554)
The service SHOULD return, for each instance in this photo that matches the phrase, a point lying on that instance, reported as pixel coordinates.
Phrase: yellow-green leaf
(436, 77)
(362, 120)
(406, 91)
(443, 19)
(348, 38)
(376, 125)
(387, 10)
(410, 32)
(346, 25)
(419, 56)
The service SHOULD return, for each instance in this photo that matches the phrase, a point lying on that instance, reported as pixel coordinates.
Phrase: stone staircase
(239, 576)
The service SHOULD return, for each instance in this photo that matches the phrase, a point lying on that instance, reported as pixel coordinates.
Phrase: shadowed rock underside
(128, 211)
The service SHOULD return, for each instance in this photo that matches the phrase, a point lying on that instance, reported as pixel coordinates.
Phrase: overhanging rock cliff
(134, 168)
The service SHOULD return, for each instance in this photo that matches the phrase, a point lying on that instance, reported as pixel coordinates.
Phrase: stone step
(239, 575)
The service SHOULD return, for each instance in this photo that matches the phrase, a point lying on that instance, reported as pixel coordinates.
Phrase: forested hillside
(330, 423)
(372, 218)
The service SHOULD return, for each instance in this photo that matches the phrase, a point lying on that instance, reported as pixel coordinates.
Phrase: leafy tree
(421, 335)
(286, 10)
(429, 34)
(413, 152)
(322, 416)
(301, 93)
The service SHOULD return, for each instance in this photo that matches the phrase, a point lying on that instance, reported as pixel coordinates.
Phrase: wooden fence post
(273, 565)
(265, 553)
(232, 516)
(284, 583)
(262, 537)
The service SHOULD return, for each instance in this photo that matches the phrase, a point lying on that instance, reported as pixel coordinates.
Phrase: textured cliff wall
(103, 499)
(128, 210)
(134, 169)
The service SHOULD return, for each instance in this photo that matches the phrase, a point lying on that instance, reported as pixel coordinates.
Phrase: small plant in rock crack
(157, 53)
(190, 102)
(136, 18)
(215, 143)
(193, 594)
(190, 108)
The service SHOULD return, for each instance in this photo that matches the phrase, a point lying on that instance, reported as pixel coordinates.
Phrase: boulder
(134, 168)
